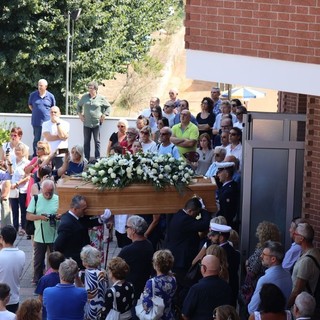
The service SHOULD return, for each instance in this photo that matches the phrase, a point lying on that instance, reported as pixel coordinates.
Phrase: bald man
(209, 293)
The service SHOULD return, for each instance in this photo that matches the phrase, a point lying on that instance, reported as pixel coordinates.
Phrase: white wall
(257, 72)
(76, 132)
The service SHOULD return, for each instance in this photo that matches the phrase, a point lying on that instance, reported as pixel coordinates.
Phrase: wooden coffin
(135, 199)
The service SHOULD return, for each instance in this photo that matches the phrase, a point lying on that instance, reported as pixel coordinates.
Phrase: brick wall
(276, 29)
(311, 187)
(289, 102)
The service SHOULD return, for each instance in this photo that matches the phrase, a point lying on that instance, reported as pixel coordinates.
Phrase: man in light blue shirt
(166, 146)
(272, 256)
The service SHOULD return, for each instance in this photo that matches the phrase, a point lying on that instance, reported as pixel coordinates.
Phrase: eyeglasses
(121, 126)
(239, 113)
(53, 111)
(144, 132)
(13, 135)
(163, 133)
(128, 227)
(267, 255)
(40, 148)
(298, 234)
(204, 102)
(233, 104)
(154, 110)
(225, 126)
(91, 88)
(130, 134)
(166, 106)
(233, 134)
(216, 155)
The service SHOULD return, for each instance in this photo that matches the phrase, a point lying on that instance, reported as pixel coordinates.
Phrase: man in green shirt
(185, 134)
(92, 110)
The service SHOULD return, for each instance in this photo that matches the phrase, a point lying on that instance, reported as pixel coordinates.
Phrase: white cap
(222, 165)
(219, 227)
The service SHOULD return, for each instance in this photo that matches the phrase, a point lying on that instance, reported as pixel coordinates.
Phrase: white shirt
(49, 126)
(12, 261)
(237, 152)
(7, 315)
(149, 147)
(171, 148)
(19, 174)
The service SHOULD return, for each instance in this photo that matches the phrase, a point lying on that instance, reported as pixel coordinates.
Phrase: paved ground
(27, 289)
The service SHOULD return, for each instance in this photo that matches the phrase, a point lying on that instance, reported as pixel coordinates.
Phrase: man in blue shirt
(40, 102)
(272, 256)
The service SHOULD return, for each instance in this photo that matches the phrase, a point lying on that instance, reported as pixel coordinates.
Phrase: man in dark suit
(73, 229)
(228, 193)
(183, 241)
(220, 234)
(210, 292)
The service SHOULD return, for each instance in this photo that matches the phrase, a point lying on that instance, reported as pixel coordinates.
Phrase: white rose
(105, 180)
(143, 160)
(175, 177)
(97, 165)
(92, 172)
(154, 171)
(84, 175)
(113, 175)
(129, 170)
(139, 171)
(160, 176)
(110, 170)
(180, 167)
(155, 165)
(186, 175)
(172, 159)
(167, 168)
(95, 180)
(102, 173)
(110, 163)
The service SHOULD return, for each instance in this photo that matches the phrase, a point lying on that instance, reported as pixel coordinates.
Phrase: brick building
(265, 43)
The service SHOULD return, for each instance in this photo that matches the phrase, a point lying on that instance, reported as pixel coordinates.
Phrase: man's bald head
(211, 265)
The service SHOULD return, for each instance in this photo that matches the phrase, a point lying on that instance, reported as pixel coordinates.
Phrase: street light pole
(74, 15)
(68, 65)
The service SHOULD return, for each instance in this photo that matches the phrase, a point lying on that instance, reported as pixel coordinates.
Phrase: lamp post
(74, 16)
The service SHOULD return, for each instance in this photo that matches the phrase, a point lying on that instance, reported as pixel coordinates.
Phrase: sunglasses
(121, 126)
(239, 113)
(40, 148)
(163, 134)
(13, 135)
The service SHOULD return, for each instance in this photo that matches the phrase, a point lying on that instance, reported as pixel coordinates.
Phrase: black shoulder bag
(30, 224)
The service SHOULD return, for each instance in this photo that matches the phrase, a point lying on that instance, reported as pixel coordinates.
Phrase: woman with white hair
(94, 280)
(117, 137)
(19, 185)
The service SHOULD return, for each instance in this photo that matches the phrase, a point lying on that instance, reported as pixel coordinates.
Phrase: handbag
(30, 228)
(193, 275)
(114, 314)
(156, 310)
(14, 193)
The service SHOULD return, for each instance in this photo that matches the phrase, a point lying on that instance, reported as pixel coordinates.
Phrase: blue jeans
(15, 204)
(37, 131)
(87, 132)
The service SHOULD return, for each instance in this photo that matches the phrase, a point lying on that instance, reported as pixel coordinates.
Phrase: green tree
(108, 36)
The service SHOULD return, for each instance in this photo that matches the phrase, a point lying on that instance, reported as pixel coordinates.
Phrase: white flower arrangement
(119, 171)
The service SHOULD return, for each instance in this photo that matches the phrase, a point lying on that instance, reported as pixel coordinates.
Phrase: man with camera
(43, 211)
(56, 133)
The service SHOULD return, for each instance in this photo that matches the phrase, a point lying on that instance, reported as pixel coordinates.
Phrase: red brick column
(311, 183)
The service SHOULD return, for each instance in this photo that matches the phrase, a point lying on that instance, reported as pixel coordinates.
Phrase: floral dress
(96, 284)
(165, 288)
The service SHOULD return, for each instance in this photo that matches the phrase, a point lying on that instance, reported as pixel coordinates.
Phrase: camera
(52, 219)
(8, 151)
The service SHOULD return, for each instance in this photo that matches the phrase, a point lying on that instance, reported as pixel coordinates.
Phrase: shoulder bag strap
(153, 287)
(317, 264)
(114, 298)
(314, 260)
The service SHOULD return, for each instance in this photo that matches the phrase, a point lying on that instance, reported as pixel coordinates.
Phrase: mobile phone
(62, 150)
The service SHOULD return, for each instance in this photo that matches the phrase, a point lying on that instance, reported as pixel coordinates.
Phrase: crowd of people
(190, 259)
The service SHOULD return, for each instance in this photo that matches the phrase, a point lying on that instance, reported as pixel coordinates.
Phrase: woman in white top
(19, 185)
(148, 145)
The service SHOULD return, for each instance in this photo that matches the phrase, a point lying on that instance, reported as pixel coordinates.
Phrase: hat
(223, 165)
(219, 228)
